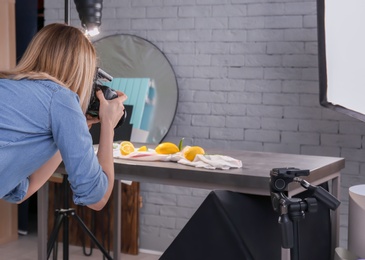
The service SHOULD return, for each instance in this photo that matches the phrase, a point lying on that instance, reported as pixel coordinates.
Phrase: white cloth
(206, 161)
(214, 161)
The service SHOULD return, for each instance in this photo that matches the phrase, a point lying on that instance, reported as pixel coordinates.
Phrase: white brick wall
(248, 79)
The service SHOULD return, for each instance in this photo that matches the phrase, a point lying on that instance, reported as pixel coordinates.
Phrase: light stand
(62, 215)
(67, 12)
(292, 210)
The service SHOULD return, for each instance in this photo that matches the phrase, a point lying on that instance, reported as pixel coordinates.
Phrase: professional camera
(108, 92)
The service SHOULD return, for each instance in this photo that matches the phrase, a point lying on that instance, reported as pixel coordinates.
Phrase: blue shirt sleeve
(18, 193)
(71, 134)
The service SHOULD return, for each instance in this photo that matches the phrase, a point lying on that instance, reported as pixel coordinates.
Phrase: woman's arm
(110, 113)
(40, 176)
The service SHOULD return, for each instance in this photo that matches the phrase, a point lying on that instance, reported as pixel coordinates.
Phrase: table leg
(285, 254)
(117, 233)
(335, 215)
(42, 205)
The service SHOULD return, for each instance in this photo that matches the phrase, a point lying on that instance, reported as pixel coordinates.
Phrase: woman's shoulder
(54, 86)
(57, 89)
(41, 88)
(34, 83)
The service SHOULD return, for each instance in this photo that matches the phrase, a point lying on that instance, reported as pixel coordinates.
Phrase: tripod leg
(54, 233)
(83, 240)
(91, 235)
(65, 237)
(294, 251)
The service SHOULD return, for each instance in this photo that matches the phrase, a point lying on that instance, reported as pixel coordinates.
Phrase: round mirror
(143, 73)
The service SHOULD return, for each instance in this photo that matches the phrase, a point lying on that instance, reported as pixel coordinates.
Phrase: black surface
(230, 225)
(26, 24)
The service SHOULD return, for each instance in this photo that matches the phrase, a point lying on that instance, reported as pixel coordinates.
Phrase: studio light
(90, 15)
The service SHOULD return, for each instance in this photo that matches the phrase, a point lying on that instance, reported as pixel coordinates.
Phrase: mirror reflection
(143, 72)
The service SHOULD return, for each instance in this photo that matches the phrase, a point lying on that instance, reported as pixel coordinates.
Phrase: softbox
(230, 225)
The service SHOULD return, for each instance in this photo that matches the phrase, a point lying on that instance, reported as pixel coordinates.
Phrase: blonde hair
(60, 53)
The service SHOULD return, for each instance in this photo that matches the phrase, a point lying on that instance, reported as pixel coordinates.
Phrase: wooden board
(8, 222)
(9, 212)
(130, 215)
(7, 32)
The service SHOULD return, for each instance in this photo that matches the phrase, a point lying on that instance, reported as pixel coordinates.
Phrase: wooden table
(252, 178)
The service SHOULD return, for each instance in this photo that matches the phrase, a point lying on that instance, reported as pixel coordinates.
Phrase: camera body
(108, 92)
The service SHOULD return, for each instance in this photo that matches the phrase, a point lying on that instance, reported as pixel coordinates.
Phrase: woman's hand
(111, 111)
(90, 120)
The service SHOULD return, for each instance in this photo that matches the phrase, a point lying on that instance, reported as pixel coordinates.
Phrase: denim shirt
(37, 118)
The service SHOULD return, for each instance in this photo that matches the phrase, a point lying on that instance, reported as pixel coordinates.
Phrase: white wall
(248, 79)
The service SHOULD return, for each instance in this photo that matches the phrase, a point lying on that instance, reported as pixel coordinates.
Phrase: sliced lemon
(142, 149)
(192, 151)
(126, 149)
(126, 143)
(167, 148)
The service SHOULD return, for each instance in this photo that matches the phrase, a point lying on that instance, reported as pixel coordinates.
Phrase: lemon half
(142, 149)
(192, 151)
(126, 148)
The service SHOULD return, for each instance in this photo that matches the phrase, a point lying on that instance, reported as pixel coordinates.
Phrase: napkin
(214, 161)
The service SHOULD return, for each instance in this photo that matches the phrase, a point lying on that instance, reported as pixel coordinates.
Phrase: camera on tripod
(108, 92)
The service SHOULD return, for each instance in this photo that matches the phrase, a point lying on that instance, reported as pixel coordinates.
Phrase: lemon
(192, 151)
(126, 147)
(142, 149)
(125, 143)
(166, 148)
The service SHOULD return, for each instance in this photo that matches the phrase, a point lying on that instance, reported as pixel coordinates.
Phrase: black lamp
(89, 14)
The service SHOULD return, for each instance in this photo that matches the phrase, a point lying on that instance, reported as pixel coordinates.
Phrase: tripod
(62, 217)
(292, 210)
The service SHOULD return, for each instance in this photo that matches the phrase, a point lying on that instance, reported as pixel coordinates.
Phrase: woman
(43, 101)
